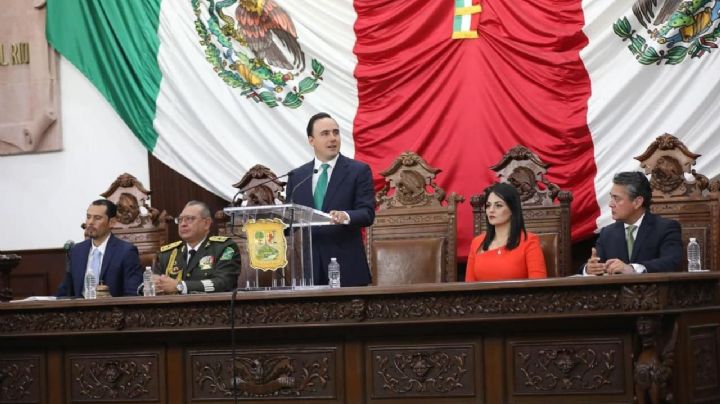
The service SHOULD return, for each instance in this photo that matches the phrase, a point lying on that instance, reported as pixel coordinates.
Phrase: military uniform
(214, 267)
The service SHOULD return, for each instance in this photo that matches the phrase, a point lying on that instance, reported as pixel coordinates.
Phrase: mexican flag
(213, 87)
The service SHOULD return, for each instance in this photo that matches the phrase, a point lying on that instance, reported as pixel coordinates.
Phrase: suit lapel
(109, 252)
(303, 194)
(619, 242)
(193, 263)
(646, 228)
(81, 266)
(338, 176)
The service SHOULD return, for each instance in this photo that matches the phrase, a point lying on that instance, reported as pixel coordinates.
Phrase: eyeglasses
(186, 219)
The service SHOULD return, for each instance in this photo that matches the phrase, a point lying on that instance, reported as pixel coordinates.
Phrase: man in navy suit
(342, 187)
(115, 262)
(638, 241)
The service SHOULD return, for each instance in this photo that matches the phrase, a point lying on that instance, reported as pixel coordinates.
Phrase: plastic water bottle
(90, 285)
(334, 273)
(148, 283)
(693, 255)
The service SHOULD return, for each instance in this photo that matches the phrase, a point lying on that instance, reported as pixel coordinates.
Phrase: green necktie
(321, 187)
(630, 239)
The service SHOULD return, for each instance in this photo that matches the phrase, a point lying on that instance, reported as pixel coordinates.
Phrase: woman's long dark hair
(511, 197)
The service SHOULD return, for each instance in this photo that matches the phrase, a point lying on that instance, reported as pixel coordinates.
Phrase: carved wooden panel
(20, 378)
(282, 372)
(115, 376)
(561, 367)
(704, 366)
(423, 371)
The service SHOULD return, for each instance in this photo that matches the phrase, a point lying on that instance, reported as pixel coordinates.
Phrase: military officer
(198, 262)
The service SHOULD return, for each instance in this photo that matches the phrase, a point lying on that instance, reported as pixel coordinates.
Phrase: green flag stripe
(115, 44)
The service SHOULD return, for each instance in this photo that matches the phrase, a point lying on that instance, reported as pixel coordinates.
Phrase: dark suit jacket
(351, 190)
(657, 246)
(120, 269)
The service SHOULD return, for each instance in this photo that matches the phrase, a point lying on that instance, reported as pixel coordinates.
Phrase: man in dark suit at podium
(342, 187)
(114, 262)
(638, 241)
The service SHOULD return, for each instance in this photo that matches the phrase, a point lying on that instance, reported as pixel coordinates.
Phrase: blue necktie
(321, 187)
(95, 264)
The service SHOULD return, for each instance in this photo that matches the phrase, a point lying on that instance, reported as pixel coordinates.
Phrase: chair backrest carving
(546, 208)
(413, 239)
(680, 193)
(259, 186)
(137, 222)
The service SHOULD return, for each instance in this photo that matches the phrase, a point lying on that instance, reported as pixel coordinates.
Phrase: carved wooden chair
(413, 239)
(546, 208)
(682, 194)
(137, 222)
(253, 190)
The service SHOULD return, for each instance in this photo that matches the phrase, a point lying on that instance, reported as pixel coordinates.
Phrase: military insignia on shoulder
(219, 238)
(170, 246)
(206, 262)
(227, 254)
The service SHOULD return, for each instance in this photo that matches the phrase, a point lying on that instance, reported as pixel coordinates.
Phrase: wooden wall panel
(39, 273)
(171, 191)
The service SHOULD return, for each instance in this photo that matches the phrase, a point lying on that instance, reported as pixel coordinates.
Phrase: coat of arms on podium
(266, 242)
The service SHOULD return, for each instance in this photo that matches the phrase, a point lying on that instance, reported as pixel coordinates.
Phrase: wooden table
(571, 340)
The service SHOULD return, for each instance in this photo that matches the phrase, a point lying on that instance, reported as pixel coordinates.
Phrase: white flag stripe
(212, 134)
(632, 104)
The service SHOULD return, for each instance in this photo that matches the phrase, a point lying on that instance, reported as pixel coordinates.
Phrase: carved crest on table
(568, 368)
(524, 170)
(114, 379)
(640, 297)
(259, 186)
(407, 184)
(133, 204)
(263, 375)
(667, 160)
(422, 372)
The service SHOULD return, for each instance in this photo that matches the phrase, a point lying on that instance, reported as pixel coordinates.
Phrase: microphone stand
(233, 346)
(292, 221)
(233, 355)
(68, 274)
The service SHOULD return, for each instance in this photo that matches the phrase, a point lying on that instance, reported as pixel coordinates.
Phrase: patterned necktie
(321, 187)
(630, 239)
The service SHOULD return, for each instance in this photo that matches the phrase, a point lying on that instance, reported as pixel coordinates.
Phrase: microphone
(292, 192)
(68, 276)
(241, 190)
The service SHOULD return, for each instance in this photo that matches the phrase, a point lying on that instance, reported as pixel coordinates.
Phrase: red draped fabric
(462, 103)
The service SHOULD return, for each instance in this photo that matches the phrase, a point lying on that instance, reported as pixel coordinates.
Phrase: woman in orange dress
(505, 251)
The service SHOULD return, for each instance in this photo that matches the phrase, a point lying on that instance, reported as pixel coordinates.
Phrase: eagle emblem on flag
(674, 29)
(257, 51)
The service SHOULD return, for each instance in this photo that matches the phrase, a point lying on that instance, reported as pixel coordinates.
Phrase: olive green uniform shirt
(214, 267)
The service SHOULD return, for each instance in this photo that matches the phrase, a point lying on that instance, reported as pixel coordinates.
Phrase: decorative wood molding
(561, 367)
(422, 371)
(21, 378)
(574, 298)
(278, 373)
